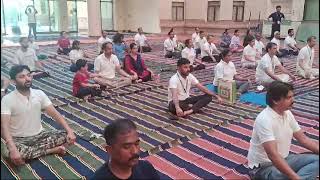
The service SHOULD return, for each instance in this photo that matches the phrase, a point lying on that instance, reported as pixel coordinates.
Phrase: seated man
(225, 70)
(81, 87)
(171, 47)
(209, 51)
(106, 65)
(134, 65)
(122, 146)
(265, 72)
(195, 40)
(305, 60)
(21, 121)
(290, 44)
(179, 91)
(189, 53)
(235, 44)
(276, 39)
(141, 41)
(103, 39)
(27, 56)
(259, 45)
(250, 56)
(225, 39)
(273, 129)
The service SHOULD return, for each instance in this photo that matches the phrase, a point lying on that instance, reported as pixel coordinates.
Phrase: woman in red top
(81, 87)
(64, 43)
(134, 65)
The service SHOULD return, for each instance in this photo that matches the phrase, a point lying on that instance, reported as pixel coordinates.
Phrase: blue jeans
(305, 165)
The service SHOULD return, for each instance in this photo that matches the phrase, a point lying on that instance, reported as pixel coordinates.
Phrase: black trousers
(197, 67)
(274, 28)
(64, 51)
(175, 55)
(40, 75)
(33, 27)
(145, 49)
(209, 59)
(198, 102)
(85, 91)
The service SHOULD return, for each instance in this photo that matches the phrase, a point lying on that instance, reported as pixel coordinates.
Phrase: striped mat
(209, 145)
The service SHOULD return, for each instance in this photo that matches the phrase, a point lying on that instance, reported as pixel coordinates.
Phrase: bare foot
(60, 150)
(186, 113)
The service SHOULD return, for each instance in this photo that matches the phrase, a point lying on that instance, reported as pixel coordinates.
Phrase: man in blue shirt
(123, 147)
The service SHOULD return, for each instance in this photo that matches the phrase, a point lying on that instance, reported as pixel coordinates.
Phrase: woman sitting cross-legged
(75, 54)
(63, 43)
(189, 53)
(81, 87)
(134, 65)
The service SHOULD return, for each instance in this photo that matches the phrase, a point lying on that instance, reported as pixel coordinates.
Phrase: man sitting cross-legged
(273, 130)
(179, 91)
(265, 72)
(21, 121)
(106, 65)
(305, 60)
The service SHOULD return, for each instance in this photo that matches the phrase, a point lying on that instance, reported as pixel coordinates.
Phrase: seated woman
(247, 38)
(189, 53)
(235, 45)
(225, 70)
(134, 65)
(81, 87)
(209, 51)
(225, 39)
(119, 47)
(251, 56)
(63, 43)
(75, 54)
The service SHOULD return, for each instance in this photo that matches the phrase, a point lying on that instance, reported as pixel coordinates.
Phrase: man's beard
(25, 87)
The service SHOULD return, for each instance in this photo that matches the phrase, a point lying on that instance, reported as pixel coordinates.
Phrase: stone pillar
(94, 18)
(63, 15)
(226, 10)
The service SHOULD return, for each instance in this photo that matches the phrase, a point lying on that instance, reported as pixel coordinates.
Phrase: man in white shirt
(189, 53)
(290, 44)
(258, 44)
(250, 56)
(265, 72)
(103, 39)
(195, 40)
(209, 51)
(106, 65)
(27, 56)
(276, 39)
(141, 41)
(21, 126)
(31, 13)
(273, 130)
(171, 47)
(305, 60)
(179, 91)
(225, 70)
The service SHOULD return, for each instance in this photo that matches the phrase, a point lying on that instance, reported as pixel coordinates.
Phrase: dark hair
(278, 6)
(117, 38)
(74, 43)
(250, 38)
(61, 33)
(209, 35)
(16, 70)
(22, 38)
(276, 91)
(224, 53)
(104, 45)
(237, 30)
(132, 45)
(226, 30)
(170, 32)
(248, 30)
(270, 45)
(117, 127)
(289, 30)
(200, 32)
(80, 63)
(182, 61)
(102, 31)
(187, 42)
(310, 38)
